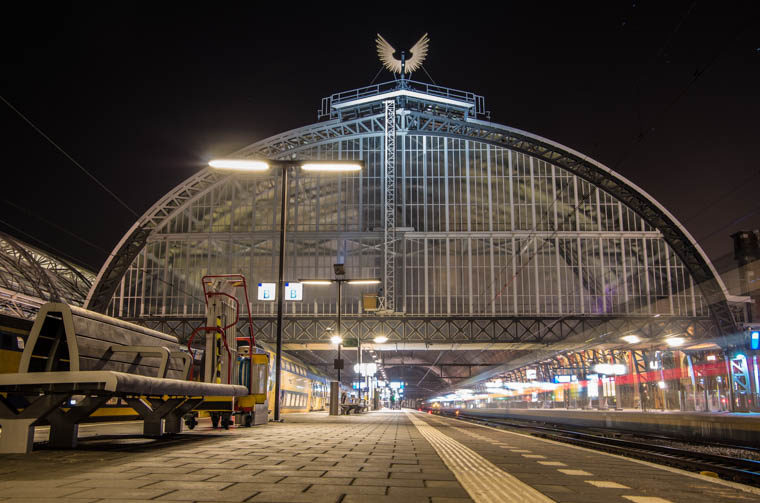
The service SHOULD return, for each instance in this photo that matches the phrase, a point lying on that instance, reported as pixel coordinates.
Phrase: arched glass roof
(489, 221)
(30, 276)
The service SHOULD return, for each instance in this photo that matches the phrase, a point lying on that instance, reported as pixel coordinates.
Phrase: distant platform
(741, 428)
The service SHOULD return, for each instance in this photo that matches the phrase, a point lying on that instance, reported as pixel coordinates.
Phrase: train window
(20, 342)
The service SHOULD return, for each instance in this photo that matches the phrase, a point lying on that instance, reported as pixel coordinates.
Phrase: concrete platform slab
(376, 457)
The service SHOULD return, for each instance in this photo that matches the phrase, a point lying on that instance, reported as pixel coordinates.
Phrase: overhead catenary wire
(70, 158)
(45, 245)
(56, 226)
(743, 184)
(377, 75)
(698, 73)
(730, 224)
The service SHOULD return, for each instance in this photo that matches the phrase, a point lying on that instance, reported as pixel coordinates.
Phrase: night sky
(666, 93)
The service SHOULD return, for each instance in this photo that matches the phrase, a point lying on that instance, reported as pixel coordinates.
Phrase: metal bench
(75, 352)
(356, 408)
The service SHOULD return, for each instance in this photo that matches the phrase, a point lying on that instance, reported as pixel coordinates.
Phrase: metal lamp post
(255, 165)
(340, 270)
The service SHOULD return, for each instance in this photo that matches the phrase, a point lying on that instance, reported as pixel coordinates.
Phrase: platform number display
(754, 339)
(293, 291)
(267, 291)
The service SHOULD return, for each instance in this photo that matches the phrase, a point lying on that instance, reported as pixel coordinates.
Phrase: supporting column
(388, 298)
(334, 398)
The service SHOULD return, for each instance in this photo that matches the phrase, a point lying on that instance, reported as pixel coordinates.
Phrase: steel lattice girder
(526, 330)
(27, 271)
(292, 142)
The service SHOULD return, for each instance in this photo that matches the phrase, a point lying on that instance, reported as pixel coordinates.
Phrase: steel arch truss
(292, 143)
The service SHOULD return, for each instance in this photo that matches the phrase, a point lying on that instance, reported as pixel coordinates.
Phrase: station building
(504, 257)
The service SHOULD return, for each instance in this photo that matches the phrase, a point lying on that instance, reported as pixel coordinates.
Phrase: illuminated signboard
(530, 373)
(293, 291)
(267, 291)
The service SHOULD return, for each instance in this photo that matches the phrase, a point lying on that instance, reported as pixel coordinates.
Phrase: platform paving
(375, 457)
(570, 474)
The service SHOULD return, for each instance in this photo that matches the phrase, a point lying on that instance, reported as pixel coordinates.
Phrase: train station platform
(393, 456)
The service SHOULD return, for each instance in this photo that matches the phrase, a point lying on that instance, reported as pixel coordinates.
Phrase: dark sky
(666, 93)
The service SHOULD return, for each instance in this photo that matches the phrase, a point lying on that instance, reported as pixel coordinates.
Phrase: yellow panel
(9, 361)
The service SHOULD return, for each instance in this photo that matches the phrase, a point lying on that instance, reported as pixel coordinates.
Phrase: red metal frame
(224, 339)
(241, 278)
(222, 330)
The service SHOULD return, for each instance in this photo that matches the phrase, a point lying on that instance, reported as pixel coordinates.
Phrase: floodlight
(316, 281)
(380, 339)
(675, 342)
(363, 281)
(632, 339)
(336, 339)
(331, 166)
(239, 164)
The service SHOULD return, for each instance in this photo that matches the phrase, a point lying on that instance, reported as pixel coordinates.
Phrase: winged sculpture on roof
(409, 64)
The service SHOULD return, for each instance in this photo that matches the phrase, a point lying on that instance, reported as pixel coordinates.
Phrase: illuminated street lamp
(675, 342)
(340, 270)
(259, 165)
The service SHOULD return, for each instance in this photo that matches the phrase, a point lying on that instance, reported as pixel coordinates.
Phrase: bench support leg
(173, 421)
(17, 436)
(154, 411)
(64, 426)
(18, 427)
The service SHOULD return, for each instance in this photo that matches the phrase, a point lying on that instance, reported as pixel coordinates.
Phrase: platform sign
(267, 291)
(565, 379)
(293, 291)
(530, 373)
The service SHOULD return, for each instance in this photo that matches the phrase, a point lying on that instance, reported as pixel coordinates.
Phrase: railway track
(741, 470)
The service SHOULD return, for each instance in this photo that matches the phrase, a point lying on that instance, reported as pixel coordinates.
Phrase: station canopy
(29, 277)
(493, 244)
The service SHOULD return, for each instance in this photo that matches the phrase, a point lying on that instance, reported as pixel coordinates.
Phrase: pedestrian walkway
(375, 457)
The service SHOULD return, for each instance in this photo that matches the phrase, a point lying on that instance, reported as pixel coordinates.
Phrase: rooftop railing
(328, 104)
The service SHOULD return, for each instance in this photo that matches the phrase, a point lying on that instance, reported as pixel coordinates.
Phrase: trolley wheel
(248, 421)
(191, 420)
(226, 421)
(215, 420)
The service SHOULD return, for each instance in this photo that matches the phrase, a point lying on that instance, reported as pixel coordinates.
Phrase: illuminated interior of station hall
(512, 268)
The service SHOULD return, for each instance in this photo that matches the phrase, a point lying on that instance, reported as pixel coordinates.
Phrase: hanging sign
(293, 291)
(267, 291)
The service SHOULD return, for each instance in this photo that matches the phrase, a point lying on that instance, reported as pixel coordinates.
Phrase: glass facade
(481, 230)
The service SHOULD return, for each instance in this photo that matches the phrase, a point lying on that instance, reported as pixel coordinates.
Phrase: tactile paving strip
(484, 481)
